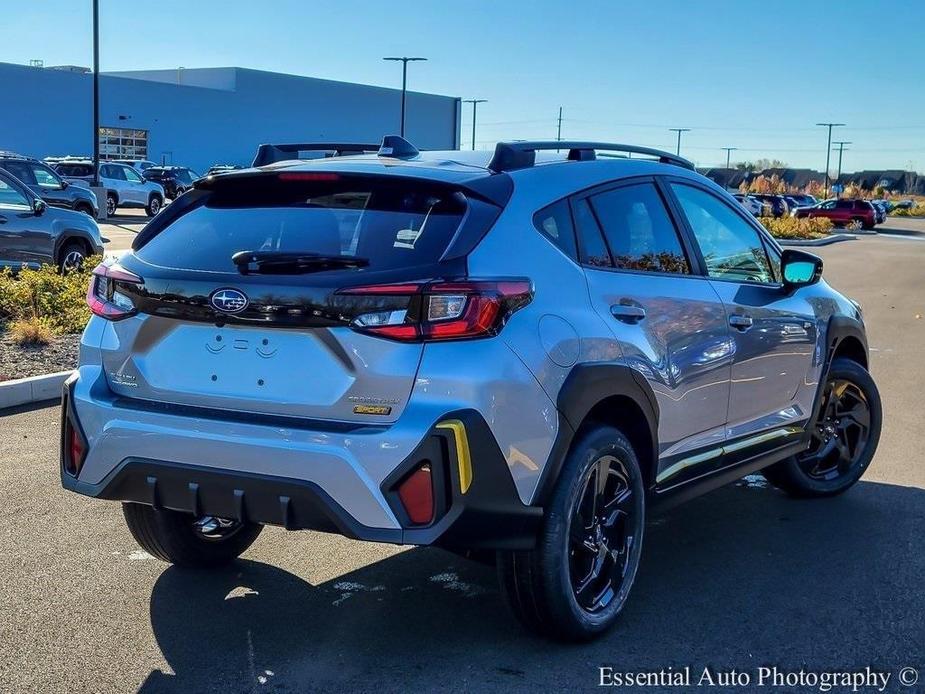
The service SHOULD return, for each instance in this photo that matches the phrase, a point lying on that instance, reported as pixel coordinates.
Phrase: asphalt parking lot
(741, 578)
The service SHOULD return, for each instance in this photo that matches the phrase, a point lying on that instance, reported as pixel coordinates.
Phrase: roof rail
(269, 154)
(510, 156)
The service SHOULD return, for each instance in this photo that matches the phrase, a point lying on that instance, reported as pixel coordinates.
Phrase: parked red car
(853, 214)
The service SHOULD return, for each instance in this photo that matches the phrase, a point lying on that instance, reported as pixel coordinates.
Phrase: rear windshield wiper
(292, 262)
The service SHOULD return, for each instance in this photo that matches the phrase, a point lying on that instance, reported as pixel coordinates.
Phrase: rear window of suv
(390, 223)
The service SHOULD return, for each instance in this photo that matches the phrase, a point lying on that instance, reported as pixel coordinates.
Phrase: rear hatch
(245, 297)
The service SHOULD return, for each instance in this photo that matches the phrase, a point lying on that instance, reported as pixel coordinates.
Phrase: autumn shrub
(31, 332)
(45, 295)
(797, 227)
(917, 210)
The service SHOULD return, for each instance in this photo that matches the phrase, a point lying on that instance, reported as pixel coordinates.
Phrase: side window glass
(21, 171)
(130, 174)
(593, 249)
(10, 197)
(45, 178)
(638, 230)
(731, 247)
(554, 222)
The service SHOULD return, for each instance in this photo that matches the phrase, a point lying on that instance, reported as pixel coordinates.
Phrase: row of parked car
(848, 213)
(129, 183)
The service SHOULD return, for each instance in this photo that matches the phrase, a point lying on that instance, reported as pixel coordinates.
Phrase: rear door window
(20, 170)
(390, 224)
(638, 230)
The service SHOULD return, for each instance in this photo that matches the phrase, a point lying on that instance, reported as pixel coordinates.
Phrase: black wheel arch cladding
(586, 387)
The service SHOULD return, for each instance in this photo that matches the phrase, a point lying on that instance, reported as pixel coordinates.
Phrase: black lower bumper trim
(292, 504)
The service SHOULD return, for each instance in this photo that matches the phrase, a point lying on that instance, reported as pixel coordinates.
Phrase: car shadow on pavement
(739, 578)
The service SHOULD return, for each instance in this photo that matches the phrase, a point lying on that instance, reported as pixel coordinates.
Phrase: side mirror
(800, 269)
(38, 207)
(64, 184)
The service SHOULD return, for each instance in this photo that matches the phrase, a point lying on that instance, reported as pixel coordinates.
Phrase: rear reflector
(74, 449)
(417, 495)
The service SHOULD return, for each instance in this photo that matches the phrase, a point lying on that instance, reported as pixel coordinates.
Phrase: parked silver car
(517, 355)
(124, 185)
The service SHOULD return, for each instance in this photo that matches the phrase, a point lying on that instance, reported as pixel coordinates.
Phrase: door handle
(2, 219)
(740, 322)
(628, 313)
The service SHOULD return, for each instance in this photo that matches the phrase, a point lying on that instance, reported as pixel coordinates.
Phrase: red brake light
(103, 298)
(444, 310)
(417, 496)
(307, 176)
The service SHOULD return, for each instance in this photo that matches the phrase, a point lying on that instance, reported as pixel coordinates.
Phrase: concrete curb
(834, 238)
(25, 391)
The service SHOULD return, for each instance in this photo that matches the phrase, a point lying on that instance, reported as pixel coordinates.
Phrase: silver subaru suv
(518, 356)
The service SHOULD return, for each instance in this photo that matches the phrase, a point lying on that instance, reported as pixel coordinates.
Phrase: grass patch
(797, 228)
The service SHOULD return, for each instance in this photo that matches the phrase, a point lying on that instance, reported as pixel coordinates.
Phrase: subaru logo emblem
(228, 300)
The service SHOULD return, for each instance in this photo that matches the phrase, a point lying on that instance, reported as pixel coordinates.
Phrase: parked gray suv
(518, 356)
(48, 184)
(32, 233)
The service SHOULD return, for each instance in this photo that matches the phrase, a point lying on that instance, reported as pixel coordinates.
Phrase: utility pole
(828, 151)
(679, 131)
(404, 85)
(96, 94)
(474, 102)
(729, 150)
(559, 127)
(841, 148)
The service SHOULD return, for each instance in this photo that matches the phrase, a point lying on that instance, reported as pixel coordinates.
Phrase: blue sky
(740, 74)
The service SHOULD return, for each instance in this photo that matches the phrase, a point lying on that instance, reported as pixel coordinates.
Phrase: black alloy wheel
(602, 534)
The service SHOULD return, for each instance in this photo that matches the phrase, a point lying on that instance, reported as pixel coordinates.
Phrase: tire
(542, 585)
(154, 205)
(85, 208)
(850, 447)
(171, 536)
(112, 204)
(72, 256)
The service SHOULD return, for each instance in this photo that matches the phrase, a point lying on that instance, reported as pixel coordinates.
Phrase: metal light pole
(96, 94)
(679, 131)
(729, 150)
(841, 148)
(828, 151)
(404, 85)
(474, 102)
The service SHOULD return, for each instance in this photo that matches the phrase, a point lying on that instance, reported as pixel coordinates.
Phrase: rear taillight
(103, 295)
(442, 310)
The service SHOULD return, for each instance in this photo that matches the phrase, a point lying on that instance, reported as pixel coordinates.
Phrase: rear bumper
(297, 478)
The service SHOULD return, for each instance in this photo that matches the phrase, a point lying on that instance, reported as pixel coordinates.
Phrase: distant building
(205, 116)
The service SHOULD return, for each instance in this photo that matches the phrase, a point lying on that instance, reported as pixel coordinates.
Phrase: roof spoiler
(510, 156)
(270, 154)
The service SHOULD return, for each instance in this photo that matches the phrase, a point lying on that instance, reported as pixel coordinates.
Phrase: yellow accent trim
(463, 460)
